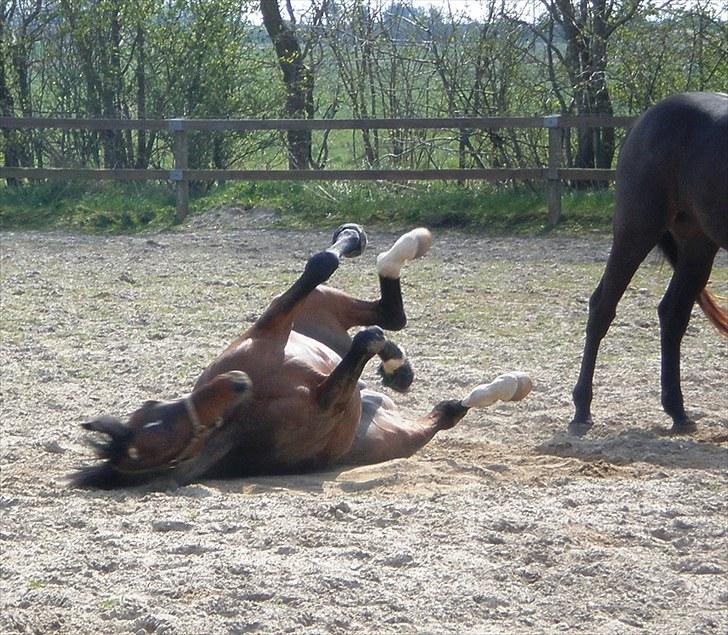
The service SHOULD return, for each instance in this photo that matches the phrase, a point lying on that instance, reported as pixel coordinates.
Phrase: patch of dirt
(502, 524)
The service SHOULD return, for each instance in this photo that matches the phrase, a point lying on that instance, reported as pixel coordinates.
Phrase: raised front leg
(339, 386)
(349, 241)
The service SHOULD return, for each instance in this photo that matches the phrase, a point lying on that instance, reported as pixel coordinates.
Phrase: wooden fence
(553, 174)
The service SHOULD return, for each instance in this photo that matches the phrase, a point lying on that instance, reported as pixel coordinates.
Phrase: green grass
(91, 207)
(134, 207)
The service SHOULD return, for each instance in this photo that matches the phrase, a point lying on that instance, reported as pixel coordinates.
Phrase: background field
(503, 524)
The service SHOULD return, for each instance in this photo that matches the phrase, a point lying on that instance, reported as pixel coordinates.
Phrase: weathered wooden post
(177, 127)
(553, 181)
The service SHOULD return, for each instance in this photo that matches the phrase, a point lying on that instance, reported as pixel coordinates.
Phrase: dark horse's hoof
(579, 427)
(358, 240)
(683, 426)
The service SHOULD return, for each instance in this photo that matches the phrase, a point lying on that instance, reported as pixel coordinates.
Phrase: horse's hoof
(358, 239)
(579, 427)
(683, 426)
(399, 379)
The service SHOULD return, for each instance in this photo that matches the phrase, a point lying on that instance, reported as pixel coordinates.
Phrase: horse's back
(675, 163)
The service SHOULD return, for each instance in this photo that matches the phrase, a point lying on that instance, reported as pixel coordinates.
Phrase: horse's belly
(305, 351)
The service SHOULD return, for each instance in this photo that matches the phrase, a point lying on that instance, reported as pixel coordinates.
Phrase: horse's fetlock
(321, 266)
(392, 320)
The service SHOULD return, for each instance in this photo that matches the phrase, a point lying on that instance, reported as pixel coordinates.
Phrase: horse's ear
(107, 425)
(114, 428)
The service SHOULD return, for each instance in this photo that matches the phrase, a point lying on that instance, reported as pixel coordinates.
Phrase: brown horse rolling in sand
(671, 191)
(286, 395)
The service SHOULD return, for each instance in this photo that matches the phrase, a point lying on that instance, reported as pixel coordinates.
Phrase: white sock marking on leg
(508, 387)
(409, 246)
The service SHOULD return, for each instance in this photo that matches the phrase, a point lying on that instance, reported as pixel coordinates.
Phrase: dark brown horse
(286, 395)
(671, 191)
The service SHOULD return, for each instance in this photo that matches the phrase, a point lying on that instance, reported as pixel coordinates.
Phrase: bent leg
(327, 314)
(383, 434)
(338, 387)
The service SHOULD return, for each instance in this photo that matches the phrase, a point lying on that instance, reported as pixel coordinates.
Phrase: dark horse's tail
(706, 300)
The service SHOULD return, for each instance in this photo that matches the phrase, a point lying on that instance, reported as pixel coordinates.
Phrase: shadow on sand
(701, 451)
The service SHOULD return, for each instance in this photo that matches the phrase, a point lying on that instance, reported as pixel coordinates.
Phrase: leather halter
(199, 433)
(197, 428)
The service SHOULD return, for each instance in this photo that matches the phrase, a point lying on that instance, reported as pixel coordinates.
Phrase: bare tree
(298, 77)
(577, 35)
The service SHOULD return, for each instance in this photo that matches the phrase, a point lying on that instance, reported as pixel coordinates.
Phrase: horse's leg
(640, 218)
(338, 387)
(328, 313)
(349, 240)
(692, 270)
(383, 434)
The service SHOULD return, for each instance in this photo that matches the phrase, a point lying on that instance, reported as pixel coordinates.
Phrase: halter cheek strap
(197, 428)
(199, 432)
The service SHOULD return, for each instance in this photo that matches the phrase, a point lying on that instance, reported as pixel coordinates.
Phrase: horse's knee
(369, 341)
(601, 315)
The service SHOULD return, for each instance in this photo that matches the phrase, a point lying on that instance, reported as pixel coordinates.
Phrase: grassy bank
(134, 207)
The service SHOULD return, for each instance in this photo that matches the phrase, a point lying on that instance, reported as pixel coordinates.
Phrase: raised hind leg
(349, 241)
(328, 314)
(692, 270)
(269, 335)
(383, 434)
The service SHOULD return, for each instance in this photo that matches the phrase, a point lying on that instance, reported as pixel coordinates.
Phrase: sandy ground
(502, 525)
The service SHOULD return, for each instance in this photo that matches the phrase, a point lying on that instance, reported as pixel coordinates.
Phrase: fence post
(176, 126)
(553, 182)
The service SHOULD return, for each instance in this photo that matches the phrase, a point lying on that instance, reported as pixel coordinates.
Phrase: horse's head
(161, 434)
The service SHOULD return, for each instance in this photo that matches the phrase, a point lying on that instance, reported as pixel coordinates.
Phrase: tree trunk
(7, 108)
(142, 156)
(586, 30)
(298, 79)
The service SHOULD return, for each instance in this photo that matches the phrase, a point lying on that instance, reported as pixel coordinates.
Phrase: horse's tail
(706, 300)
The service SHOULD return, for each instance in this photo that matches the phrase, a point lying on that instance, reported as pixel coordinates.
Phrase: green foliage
(99, 207)
(477, 207)
(128, 208)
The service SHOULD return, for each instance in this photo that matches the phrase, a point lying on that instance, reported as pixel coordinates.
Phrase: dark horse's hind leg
(692, 269)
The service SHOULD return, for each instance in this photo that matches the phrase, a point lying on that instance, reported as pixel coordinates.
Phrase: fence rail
(553, 174)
